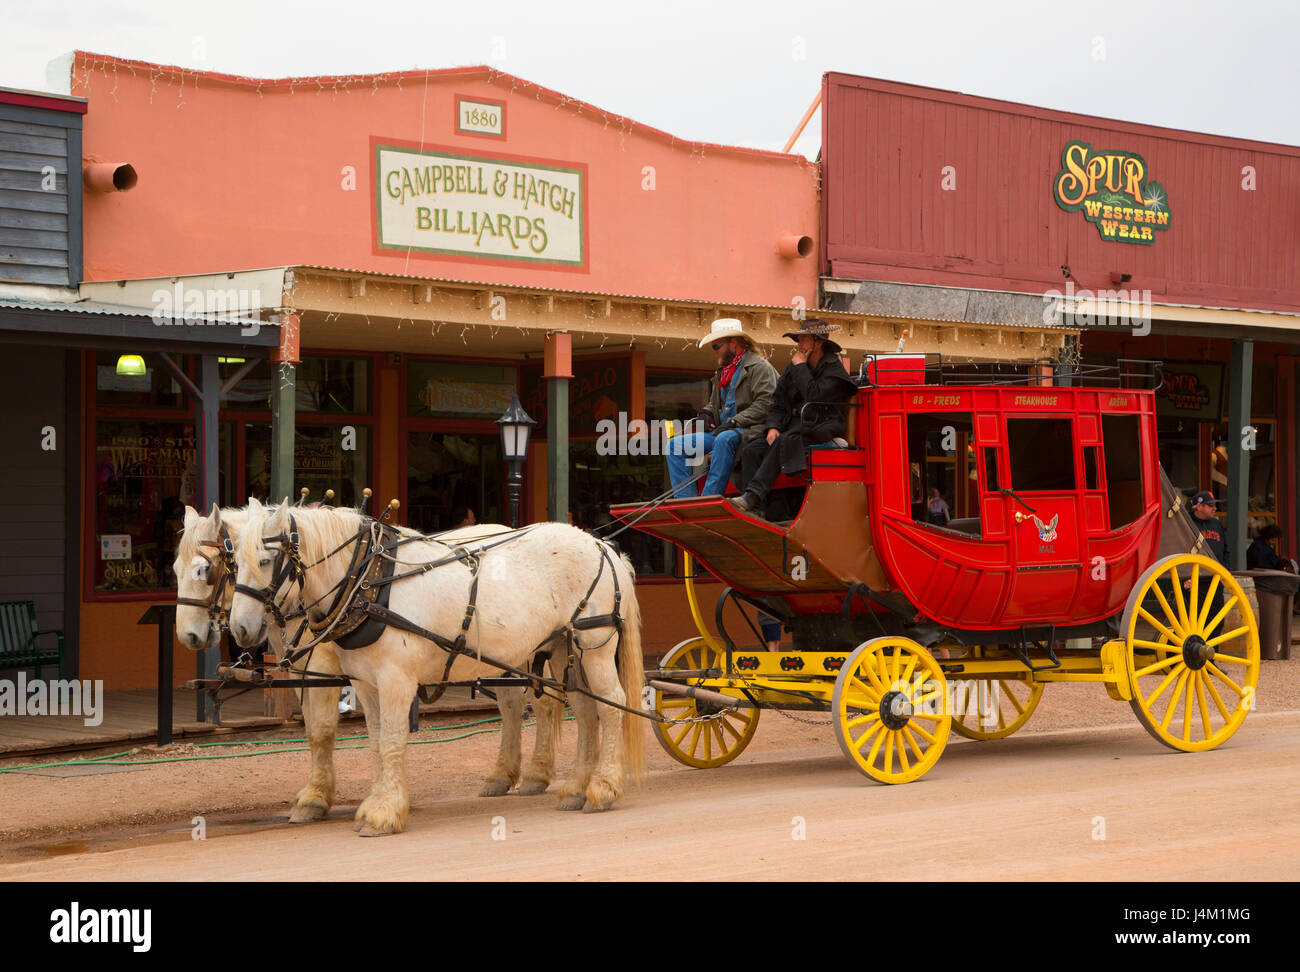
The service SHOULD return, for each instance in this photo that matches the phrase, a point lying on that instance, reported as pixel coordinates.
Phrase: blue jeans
(723, 449)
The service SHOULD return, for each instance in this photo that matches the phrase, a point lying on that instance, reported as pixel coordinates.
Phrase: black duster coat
(827, 384)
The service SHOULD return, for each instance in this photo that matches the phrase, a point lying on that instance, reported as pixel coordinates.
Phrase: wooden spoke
(1156, 645)
(1200, 703)
(1150, 619)
(889, 752)
(1187, 707)
(1228, 636)
(1173, 699)
(869, 734)
(1223, 613)
(1160, 689)
(862, 720)
(1215, 669)
(1163, 663)
(922, 732)
(1206, 603)
(911, 741)
(1235, 659)
(1180, 600)
(1218, 702)
(1015, 702)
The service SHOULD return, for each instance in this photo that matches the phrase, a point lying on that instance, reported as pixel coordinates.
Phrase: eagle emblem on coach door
(1046, 531)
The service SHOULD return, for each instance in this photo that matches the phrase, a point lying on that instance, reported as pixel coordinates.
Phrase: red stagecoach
(1062, 555)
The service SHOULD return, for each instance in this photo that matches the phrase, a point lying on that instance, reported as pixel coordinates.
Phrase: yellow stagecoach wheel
(993, 708)
(1192, 665)
(700, 744)
(889, 710)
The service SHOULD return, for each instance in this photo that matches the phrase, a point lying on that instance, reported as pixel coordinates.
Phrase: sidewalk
(132, 716)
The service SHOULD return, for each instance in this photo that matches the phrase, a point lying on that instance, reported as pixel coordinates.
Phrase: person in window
(1262, 552)
(815, 377)
(936, 510)
(1212, 528)
(462, 516)
(740, 395)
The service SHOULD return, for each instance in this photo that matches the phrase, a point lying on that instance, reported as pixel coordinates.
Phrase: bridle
(287, 565)
(224, 563)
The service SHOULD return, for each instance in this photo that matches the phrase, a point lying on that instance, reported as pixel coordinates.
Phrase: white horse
(531, 587)
(199, 568)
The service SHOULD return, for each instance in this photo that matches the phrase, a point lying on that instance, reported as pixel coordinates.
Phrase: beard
(728, 356)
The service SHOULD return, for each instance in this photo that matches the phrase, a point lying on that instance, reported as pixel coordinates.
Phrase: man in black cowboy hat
(815, 378)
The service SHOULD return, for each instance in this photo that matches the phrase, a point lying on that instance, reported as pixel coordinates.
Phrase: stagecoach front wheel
(993, 708)
(890, 710)
(1191, 652)
(709, 743)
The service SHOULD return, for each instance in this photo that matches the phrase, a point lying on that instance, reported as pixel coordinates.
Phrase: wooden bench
(18, 639)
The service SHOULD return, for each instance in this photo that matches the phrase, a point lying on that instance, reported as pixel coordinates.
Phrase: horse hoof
(358, 825)
(369, 831)
(589, 807)
(532, 787)
(494, 788)
(306, 813)
(573, 801)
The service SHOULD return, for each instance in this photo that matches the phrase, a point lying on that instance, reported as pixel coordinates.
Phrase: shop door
(449, 474)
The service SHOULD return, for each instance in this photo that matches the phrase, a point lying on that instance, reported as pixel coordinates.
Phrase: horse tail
(631, 666)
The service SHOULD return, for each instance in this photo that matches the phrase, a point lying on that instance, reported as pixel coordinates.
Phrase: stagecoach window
(941, 457)
(1090, 468)
(1041, 453)
(990, 470)
(1122, 439)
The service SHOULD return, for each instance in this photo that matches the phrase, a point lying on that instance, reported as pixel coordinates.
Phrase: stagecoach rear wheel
(706, 744)
(996, 709)
(890, 711)
(1193, 666)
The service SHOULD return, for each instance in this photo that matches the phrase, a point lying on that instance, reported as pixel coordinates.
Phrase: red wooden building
(1156, 243)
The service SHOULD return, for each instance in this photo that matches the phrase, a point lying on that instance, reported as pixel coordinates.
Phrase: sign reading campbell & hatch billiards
(1112, 190)
(443, 201)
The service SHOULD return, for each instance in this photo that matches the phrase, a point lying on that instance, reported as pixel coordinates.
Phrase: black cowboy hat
(818, 329)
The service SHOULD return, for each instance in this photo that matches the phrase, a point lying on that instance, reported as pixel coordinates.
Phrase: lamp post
(516, 425)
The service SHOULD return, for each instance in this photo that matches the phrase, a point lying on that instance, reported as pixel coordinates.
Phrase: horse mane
(234, 517)
(320, 531)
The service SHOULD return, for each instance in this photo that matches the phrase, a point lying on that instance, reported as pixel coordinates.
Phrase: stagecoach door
(1041, 499)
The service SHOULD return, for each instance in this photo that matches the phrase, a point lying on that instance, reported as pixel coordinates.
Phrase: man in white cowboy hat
(740, 395)
(815, 378)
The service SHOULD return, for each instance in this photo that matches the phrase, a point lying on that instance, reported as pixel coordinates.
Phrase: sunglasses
(719, 345)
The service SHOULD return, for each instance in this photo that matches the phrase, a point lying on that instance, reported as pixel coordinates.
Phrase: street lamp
(516, 425)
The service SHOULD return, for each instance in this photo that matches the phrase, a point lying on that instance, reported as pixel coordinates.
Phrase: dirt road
(1102, 803)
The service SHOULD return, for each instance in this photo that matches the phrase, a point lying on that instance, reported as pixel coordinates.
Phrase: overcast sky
(737, 73)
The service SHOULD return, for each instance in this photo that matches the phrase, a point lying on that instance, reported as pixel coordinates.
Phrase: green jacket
(753, 395)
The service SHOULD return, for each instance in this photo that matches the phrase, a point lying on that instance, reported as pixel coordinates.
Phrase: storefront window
(597, 482)
(449, 475)
(442, 389)
(324, 386)
(680, 396)
(325, 457)
(144, 476)
(136, 381)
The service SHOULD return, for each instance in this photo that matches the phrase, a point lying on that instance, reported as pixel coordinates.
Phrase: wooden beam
(357, 287)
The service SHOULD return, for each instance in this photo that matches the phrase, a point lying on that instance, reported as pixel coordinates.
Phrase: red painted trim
(457, 97)
(76, 106)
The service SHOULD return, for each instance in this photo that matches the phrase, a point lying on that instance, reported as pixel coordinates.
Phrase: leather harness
(359, 612)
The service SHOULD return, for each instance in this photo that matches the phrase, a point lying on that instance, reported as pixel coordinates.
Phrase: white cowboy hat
(727, 327)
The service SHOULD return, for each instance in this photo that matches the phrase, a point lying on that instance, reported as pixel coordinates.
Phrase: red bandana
(729, 369)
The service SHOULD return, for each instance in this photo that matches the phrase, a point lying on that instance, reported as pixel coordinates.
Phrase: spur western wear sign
(1112, 190)
(446, 202)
